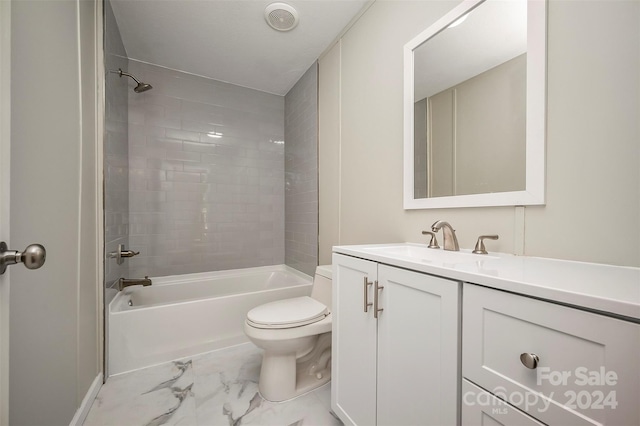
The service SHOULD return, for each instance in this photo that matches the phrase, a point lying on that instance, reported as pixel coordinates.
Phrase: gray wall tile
(199, 203)
(301, 173)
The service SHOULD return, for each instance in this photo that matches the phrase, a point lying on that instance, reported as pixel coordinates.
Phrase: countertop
(605, 288)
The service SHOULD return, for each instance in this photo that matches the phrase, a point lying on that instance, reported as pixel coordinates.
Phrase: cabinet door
(353, 385)
(418, 348)
(586, 370)
(480, 408)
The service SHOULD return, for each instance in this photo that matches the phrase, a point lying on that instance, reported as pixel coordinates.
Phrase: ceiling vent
(281, 16)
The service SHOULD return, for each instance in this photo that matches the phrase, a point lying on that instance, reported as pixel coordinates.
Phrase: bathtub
(185, 315)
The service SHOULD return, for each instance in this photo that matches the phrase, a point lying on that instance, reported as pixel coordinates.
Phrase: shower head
(141, 87)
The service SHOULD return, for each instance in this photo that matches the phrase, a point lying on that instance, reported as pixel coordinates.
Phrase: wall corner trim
(87, 402)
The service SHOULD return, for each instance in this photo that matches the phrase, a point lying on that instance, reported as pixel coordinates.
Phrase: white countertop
(606, 288)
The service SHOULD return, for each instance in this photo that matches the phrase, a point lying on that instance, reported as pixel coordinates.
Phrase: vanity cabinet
(395, 345)
(582, 368)
(464, 339)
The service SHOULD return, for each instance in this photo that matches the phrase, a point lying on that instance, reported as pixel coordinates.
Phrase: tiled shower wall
(301, 173)
(116, 150)
(199, 203)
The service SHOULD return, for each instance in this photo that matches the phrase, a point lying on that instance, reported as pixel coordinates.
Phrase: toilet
(295, 335)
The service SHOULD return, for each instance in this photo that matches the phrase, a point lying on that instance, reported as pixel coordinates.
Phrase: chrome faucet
(450, 241)
(126, 282)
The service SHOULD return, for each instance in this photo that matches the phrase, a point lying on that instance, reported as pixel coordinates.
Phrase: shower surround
(206, 175)
(116, 152)
(202, 175)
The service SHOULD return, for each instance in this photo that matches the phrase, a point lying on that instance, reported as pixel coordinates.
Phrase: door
(353, 388)
(418, 348)
(5, 9)
(51, 361)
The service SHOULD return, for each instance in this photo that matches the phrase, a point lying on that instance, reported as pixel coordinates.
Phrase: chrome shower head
(141, 87)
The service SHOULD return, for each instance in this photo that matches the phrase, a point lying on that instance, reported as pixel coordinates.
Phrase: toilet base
(283, 377)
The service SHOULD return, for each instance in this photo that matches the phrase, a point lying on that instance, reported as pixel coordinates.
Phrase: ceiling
(229, 40)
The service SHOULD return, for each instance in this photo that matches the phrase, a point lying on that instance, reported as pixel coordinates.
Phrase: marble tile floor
(217, 388)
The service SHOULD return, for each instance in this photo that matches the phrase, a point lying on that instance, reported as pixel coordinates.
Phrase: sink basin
(425, 254)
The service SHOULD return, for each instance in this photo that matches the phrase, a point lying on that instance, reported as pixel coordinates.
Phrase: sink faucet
(450, 241)
(126, 282)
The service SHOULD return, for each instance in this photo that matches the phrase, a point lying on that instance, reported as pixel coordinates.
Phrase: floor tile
(219, 388)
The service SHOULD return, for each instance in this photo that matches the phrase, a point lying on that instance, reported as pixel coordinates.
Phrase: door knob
(33, 256)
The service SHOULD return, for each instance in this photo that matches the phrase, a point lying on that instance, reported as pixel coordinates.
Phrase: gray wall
(593, 158)
(53, 310)
(116, 150)
(199, 203)
(301, 173)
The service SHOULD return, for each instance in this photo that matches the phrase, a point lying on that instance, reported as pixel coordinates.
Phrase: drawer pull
(376, 294)
(366, 298)
(529, 360)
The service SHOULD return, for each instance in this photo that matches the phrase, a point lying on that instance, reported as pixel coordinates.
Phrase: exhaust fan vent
(281, 16)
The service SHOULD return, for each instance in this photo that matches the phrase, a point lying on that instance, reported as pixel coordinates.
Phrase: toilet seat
(287, 313)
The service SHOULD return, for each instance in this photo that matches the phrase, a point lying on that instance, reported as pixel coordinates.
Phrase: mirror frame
(534, 192)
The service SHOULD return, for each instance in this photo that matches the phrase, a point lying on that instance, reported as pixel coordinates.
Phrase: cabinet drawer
(482, 409)
(588, 370)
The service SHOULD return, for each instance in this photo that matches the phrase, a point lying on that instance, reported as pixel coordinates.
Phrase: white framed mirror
(475, 107)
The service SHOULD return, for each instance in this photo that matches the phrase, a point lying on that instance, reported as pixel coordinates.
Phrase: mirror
(474, 108)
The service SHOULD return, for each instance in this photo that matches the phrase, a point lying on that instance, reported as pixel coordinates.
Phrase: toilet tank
(321, 290)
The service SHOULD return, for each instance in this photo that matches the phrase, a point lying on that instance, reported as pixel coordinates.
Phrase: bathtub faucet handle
(129, 253)
(121, 254)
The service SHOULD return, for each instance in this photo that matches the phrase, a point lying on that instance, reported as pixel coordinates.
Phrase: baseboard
(87, 402)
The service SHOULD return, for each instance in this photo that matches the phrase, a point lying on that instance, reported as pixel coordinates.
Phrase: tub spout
(126, 282)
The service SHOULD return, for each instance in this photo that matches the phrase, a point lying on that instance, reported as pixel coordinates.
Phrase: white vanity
(431, 337)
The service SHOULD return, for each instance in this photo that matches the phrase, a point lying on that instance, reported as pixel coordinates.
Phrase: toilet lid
(287, 313)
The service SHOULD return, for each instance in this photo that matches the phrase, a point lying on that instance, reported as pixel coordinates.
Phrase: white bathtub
(185, 315)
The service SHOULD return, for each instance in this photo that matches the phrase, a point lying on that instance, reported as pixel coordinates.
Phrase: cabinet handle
(366, 294)
(529, 360)
(376, 292)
